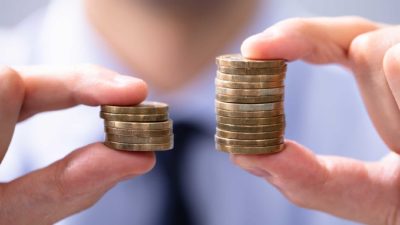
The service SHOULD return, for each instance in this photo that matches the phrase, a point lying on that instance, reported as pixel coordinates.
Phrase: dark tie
(170, 164)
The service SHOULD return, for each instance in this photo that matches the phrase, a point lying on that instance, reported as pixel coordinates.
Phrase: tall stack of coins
(143, 127)
(249, 105)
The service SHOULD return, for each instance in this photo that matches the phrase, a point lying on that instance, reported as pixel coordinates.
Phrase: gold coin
(248, 143)
(252, 71)
(249, 99)
(140, 126)
(139, 147)
(134, 117)
(251, 128)
(249, 150)
(250, 92)
(269, 113)
(250, 120)
(248, 107)
(251, 78)
(138, 133)
(248, 85)
(139, 140)
(238, 61)
(249, 136)
(146, 107)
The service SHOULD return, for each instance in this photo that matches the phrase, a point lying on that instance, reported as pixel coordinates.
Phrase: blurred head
(168, 42)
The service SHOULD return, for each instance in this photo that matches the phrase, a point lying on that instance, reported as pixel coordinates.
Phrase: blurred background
(12, 11)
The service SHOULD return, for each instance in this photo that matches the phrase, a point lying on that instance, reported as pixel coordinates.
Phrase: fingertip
(11, 83)
(251, 47)
(129, 90)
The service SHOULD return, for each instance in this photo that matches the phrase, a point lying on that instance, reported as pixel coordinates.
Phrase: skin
(172, 45)
(75, 182)
(365, 192)
(352, 189)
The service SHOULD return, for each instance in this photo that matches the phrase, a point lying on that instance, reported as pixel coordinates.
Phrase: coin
(249, 150)
(251, 71)
(254, 143)
(138, 126)
(138, 133)
(250, 120)
(257, 114)
(139, 147)
(248, 85)
(251, 129)
(250, 78)
(146, 107)
(248, 107)
(139, 140)
(249, 136)
(249, 99)
(134, 117)
(238, 61)
(250, 92)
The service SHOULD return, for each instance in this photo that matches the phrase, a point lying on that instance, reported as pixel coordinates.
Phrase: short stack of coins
(143, 127)
(249, 105)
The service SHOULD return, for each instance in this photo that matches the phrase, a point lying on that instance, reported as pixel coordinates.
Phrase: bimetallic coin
(249, 99)
(248, 107)
(250, 92)
(249, 150)
(249, 136)
(146, 107)
(134, 117)
(248, 143)
(238, 61)
(250, 120)
(248, 85)
(251, 128)
(139, 147)
(257, 114)
(138, 125)
(138, 133)
(251, 71)
(251, 78)
(139, 140)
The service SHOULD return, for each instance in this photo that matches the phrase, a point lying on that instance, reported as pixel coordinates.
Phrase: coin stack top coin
(143, 127)
(249, 105)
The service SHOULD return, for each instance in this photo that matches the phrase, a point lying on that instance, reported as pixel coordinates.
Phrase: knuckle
(364, 51)
(60, 191)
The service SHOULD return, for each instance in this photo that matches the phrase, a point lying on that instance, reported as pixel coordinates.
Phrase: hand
(356, 190)
(77, 181)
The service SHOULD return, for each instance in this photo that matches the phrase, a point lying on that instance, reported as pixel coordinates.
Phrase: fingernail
(123, 79)
(251, 44)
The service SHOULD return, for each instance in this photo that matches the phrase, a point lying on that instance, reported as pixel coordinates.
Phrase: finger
(11, 98)
(339, 186)
(367, 54)
(69, 185)
(392, 71)
(350, 41)
(317, 40)
(56, 88)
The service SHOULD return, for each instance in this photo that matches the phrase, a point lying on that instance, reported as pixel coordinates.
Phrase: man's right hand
(77, 181)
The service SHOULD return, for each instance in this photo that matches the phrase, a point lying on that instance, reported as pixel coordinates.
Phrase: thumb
(340, 186)
(69, 185)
